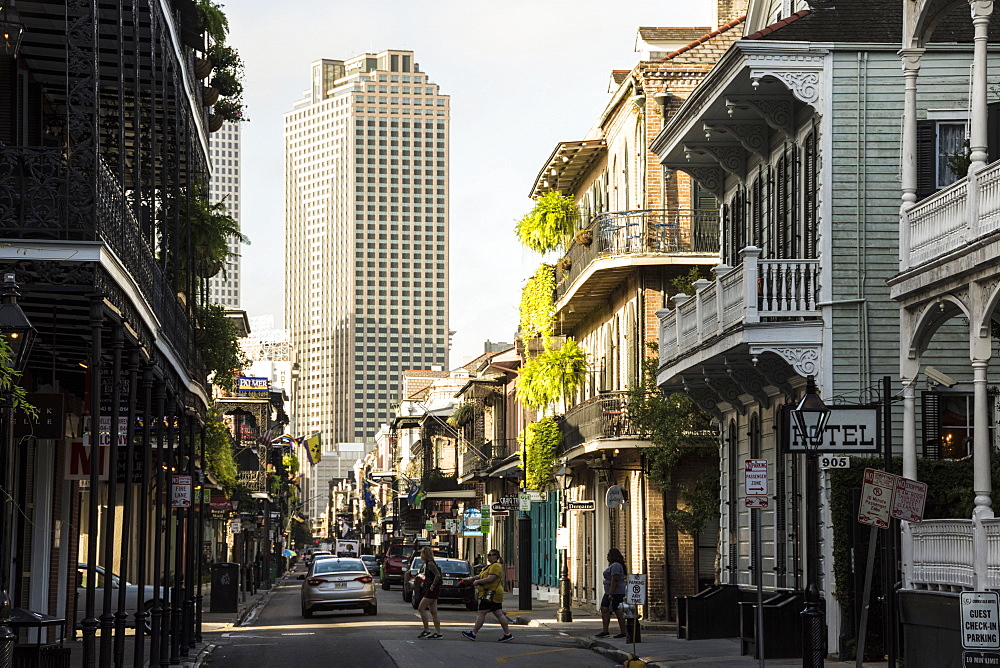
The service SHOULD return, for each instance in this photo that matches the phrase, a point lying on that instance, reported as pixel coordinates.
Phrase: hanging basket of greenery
(564, 264)
(210, 227)
(213, 20)
(229, 109)
(554, 374)
(540, 442)
(585, 237)
(215, 122)
(224, 57)
(537, 307)
(228, 82)
(464, 412)
(203, 67)
(546, 227)
(209, 95)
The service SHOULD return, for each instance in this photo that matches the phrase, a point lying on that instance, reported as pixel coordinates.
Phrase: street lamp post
(19, 335)
(810, 417)
(565, 613)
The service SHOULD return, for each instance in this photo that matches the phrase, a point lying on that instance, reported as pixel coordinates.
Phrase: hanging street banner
(850, 430)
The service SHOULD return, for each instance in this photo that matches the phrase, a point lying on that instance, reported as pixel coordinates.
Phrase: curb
(203, 655)
(617, 655)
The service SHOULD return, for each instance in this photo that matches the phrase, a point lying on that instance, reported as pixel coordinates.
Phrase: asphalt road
(279, 636)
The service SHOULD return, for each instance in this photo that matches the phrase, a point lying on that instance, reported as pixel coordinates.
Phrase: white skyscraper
(224, 145)
(366, 243)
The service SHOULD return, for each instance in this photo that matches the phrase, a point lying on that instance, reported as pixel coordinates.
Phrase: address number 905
(829, 462)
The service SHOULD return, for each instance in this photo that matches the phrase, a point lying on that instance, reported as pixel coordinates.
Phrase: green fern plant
(547, 226)
(553, 374)
(540, 443)
(537, 307)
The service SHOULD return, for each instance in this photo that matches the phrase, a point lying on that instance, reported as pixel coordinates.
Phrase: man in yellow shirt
(489, 586)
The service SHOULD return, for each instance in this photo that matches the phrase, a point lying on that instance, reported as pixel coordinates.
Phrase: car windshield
(454, 567)
(338, 566)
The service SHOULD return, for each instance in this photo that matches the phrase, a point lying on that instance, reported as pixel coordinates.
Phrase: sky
(522, 76)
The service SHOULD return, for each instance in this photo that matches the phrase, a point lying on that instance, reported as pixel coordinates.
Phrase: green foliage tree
(547, 226)
(219, 461)
(537, 309)
(221, 354)
(673, 423)
(702, 503)
(553, 374)
(9, 381)
(685, 282)
(540, 442)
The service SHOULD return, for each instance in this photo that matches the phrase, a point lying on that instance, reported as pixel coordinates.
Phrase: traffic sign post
(755, 481)
(980, 620)
(908, 499)
(876, 498)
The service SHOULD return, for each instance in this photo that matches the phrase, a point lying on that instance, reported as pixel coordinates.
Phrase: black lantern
(11, 29)
(811, 416)
(14, 324)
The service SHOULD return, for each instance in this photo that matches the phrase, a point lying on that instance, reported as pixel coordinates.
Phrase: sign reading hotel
(850, 429)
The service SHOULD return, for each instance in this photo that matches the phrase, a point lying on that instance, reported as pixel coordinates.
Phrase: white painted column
(981, 443)
(981, 11)
(911, 68)
(750, 254)
(909, 428)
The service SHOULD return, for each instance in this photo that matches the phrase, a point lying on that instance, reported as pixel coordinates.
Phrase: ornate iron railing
(36, 202)
(603, 416)
(644, 232)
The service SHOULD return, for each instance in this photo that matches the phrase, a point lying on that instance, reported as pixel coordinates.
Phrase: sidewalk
(660, 647)
(211, 622)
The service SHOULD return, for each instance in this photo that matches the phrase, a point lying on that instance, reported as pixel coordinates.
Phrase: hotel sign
(850, 430)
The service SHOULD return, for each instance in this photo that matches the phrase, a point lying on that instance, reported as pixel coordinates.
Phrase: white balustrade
(757, 290)
(938, 224)
(989, 200)
(943, 553)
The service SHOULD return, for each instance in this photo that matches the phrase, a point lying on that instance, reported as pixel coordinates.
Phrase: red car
(395, 563)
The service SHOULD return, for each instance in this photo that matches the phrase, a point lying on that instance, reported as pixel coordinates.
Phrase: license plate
(340, 585)
(449, 582)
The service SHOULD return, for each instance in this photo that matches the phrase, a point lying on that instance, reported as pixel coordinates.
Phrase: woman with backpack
(490, 588)
(614, 593)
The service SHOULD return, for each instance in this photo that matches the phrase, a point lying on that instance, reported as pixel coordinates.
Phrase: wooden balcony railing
(648, 231)
(756, 291)
(952, 218)
(952, 554)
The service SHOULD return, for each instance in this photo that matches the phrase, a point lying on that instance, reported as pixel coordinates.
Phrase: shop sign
(471, 521)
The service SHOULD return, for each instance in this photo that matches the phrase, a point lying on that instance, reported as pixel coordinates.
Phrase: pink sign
(909, 499)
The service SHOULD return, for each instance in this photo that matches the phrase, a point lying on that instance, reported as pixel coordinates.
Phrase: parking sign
(635, 589)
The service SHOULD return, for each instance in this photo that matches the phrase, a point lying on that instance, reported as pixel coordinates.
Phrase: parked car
(453, 571)
(395, 563)
(132, 594)
(408, 577)
(338, 583)
(371, 563)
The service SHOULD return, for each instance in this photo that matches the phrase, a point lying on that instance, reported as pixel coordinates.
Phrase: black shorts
(612, 601)
(489, 606)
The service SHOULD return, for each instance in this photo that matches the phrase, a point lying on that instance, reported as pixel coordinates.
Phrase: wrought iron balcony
(40, 200)
(481, 458)
(648, 232)
(601, 417)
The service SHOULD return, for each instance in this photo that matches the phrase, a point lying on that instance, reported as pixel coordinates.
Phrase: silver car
(132, 594)
(338, 583)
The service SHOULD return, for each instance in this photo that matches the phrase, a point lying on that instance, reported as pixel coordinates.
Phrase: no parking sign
(635, 589)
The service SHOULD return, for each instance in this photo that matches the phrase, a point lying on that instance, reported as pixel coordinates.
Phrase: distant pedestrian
(432, 589)
(490, 585)
(614, 593)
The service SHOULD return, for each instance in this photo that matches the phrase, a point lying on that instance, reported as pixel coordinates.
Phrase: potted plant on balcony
(213, 20)
(221, 353)
(553, 374)
(540, 442)
(209, 95)
(546, 227)
(210, 227)
(229, 109)
(223, 56)
(537, 309)
(564, 264)
(228, 81)
(585, 237)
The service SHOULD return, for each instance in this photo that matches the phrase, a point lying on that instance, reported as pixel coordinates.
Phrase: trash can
(225, 587)
(633, 629)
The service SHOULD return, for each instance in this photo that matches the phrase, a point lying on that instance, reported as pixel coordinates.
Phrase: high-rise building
(366, 238)
(224, 145)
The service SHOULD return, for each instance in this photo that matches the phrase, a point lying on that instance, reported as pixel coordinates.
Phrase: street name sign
(635, 589)
(980, 620)
(581, 505)
(876, 498)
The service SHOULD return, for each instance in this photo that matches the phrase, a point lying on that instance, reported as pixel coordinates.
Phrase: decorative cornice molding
(803, 358)
(800, 72)
(774, 110)
(752, 135)
(708, 177)
(731, 156)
